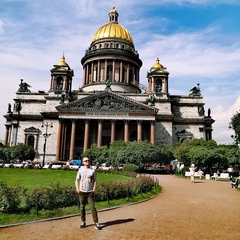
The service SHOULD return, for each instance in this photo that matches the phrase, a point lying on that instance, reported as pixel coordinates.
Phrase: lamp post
(45, 135)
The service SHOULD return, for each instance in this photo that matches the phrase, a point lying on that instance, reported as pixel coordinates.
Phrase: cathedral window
(30, 141)
(109, 72)
(59, 83)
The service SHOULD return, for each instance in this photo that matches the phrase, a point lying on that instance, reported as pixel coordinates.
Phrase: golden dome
(112, 29)
(63, 63)
(157, 64)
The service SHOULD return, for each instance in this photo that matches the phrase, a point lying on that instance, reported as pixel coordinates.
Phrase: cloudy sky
(198, 41)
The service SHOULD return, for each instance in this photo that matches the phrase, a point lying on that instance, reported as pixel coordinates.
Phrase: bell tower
(158, 78)
(61, 78)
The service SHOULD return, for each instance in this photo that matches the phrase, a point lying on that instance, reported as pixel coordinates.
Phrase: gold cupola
(112, 29)
(63, 63)
(157, 64)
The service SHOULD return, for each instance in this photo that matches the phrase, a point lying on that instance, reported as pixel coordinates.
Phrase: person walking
(192, 172)
(85, 184)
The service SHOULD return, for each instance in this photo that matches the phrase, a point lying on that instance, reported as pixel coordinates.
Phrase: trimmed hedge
(15, 199)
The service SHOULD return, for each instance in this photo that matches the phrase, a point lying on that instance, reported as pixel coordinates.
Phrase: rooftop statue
(23, 87)
(195, 91)
(108, 84)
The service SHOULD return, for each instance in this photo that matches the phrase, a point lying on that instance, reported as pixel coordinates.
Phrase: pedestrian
(192, 172)
(200, 173)
(85, 187)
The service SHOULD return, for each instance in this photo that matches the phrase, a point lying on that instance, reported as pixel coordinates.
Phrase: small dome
(112, 29)
(113, 10)
(63, 63)
(157, 64)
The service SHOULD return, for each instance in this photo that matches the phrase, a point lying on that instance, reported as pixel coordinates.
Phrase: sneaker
(97, 226)
(83, 225)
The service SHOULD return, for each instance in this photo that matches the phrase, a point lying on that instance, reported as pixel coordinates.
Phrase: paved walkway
(204, 210)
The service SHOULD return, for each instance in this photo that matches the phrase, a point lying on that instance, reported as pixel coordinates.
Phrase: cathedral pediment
(106, 101)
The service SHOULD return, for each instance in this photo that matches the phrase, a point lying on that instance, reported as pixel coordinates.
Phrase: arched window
(59, 83)
(31, 141)
(158, 85)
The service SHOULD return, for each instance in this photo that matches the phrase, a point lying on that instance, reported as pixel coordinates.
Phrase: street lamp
(45, 135)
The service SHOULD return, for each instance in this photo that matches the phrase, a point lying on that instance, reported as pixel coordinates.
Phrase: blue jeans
(85, 198)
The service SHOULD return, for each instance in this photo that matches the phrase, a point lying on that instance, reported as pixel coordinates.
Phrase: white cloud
(33, 40)
(222, 133)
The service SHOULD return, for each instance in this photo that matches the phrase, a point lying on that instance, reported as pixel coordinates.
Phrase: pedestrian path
(204, 210)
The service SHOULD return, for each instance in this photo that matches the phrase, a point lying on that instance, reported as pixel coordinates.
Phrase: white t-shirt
(86, 177)
(192, 170)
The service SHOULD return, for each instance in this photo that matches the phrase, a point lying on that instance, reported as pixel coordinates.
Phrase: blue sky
(198, 41)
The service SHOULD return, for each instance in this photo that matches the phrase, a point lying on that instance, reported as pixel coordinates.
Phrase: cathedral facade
(111, 105)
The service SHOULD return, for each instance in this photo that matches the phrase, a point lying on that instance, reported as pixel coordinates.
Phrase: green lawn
(35, 178)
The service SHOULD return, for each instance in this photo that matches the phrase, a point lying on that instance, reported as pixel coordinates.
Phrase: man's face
(86, 162)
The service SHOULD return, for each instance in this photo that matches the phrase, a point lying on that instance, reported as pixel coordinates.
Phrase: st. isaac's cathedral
(111, 104)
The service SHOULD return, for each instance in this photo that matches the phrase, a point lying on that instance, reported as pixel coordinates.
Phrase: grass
(34, 178)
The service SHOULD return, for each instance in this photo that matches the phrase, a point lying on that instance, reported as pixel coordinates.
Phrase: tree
(22, 152)
(96, 154)
(235, 123)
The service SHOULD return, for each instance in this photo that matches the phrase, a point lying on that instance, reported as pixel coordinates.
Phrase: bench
(188, 174)
(224, 176)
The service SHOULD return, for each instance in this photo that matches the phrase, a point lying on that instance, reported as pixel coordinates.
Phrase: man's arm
(77, 185)
(94, 184)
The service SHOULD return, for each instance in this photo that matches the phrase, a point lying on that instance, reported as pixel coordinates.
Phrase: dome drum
(115, 87)
(111, 54)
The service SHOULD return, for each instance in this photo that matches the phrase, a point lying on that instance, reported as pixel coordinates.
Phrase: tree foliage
(235, 122)
(20, 152)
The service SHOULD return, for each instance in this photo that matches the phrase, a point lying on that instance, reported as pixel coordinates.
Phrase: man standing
(85, 187)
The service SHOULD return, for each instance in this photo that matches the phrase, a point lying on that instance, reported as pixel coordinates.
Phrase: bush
(130, 168)
(57, 196)
(51, 198)
(124, 189)
(10, 198)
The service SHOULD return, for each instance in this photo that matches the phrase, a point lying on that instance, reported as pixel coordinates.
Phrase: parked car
(104, 166)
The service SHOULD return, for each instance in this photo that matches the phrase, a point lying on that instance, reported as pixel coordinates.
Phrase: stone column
(64, 83)
(92, 73)
(6, 136)
(126, 130)
(84, 76)
(105, 71)
(59, 137)
(113, 72)
(99, 137)
(153, 84)
(139, 130)
(52, 82)
(152, 132)
(63, 142)
(86, 135)
(113, 130)
(98, 72)
(128, 73)
(165, 87)
(72, 141)
(149, 84)
(87, 75)
(121, 74)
